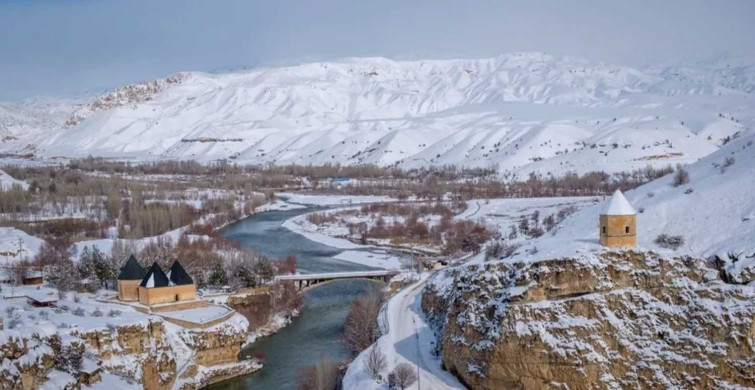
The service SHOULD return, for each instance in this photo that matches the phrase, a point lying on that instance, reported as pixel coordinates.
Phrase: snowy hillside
(23, 120)
(7, 182)
(520, 112)
(16, 245)
(714, 212)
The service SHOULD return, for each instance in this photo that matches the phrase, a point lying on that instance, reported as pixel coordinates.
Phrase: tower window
(604, 230)
(627, 229)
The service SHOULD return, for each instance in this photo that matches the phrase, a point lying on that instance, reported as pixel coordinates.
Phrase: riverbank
(318, 329)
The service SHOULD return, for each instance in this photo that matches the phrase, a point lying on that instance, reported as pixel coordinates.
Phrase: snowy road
(409, 339)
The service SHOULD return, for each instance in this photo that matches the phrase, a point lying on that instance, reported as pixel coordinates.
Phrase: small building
(618, 223)
(157, 287)
(41, 299)
(128, 280)
(33, 278)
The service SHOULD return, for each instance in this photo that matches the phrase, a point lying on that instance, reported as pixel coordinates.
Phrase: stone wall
(153, 296)
(128, 290)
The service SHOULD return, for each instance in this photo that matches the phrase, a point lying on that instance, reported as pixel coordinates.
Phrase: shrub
(689, 191)
(97, 313)
(728, 161)
(493, 250)
(114, 313)
(669, 242)
(681, 177)
(404, 375)
(14, 322)
(500, 250)
(375, 362)
(79, 312)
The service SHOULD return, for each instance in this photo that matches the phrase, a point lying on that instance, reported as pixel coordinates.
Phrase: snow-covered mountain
(520, 112)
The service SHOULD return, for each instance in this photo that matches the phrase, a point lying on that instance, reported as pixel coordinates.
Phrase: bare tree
(321, 376)
(404, 375)
(375, 362)
(361, 327)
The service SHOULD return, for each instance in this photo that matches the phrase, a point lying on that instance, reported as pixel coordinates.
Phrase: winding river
(317, 331)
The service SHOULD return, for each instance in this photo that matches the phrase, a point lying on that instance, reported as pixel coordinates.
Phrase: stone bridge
(309, 280)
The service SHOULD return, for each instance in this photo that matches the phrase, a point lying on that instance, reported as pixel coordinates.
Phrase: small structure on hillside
(41, 299)
(157, 287)
(33, 278)
(618, 223)
(128, 280)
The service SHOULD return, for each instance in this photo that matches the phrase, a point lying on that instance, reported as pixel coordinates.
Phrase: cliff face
(621, 320)
(151, 355)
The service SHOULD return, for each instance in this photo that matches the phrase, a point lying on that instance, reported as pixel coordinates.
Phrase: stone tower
(618, 223)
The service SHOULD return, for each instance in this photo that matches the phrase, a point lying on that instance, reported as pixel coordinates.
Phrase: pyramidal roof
(155, 277)
(131, 270)
(618, 205)
(178, 275)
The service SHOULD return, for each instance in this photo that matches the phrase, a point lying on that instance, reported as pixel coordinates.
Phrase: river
(317, 331)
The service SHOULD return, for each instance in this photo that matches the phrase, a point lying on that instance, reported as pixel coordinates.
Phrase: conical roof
(178, 275)
(618, 205)
(131, 270)
(155, 277)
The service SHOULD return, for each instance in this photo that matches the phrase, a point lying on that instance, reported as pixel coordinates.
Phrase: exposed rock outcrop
(621, 320)
(151, 354)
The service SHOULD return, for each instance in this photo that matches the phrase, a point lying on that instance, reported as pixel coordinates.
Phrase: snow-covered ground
(199, 315)
(332, 200)
(372, 258)
(504, 213)
(278, 205)
(409, 339)
(299, 224)
(714, 212)
(10, 239)
(86, 314)
(7, 182)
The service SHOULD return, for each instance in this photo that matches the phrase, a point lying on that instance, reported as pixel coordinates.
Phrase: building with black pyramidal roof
(131, 270)
(156, 287)
(128, 280)
(178, 275)
(155, 277)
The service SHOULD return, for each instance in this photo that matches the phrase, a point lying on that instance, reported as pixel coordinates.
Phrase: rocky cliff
(151, 354)
(617, 320)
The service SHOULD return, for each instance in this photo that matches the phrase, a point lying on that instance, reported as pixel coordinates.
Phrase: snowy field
(7, 182)
(373, 258)
(10, 239)
(86, 314)
(503, 213)
(332, 200)
(199, 315)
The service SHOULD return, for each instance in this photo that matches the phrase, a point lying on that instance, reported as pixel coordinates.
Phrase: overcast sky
(74, 47)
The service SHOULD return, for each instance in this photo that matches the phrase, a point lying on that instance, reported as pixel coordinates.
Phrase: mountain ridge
(519, 113)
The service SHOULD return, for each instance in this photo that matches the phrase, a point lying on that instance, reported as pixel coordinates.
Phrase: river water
(317, 331)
